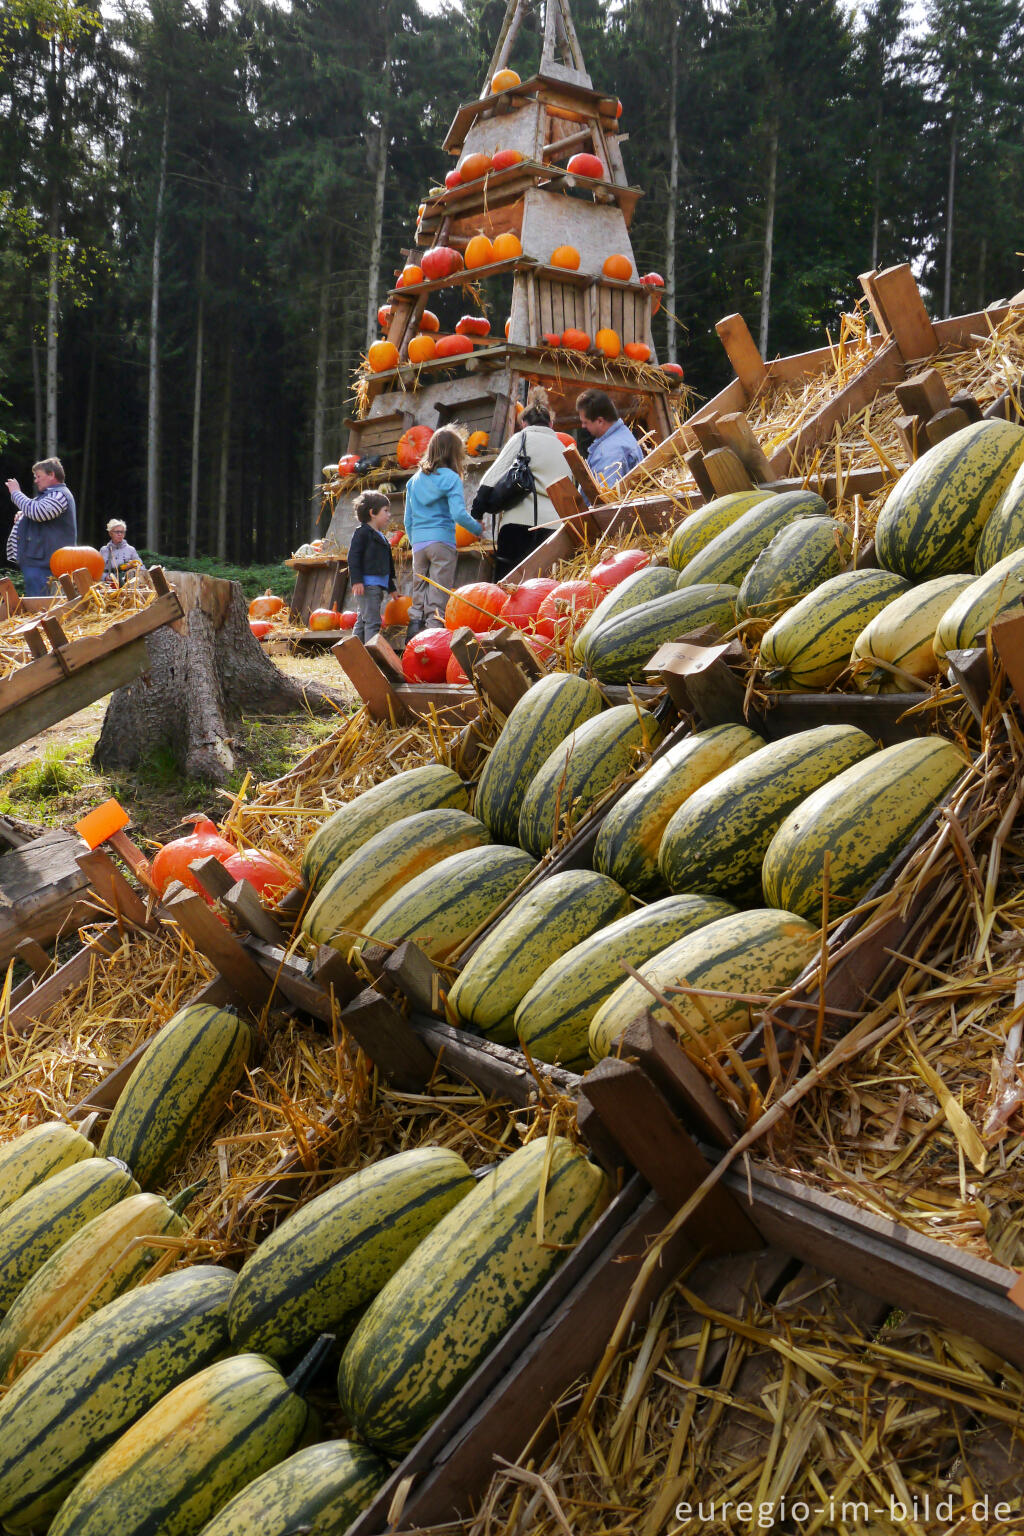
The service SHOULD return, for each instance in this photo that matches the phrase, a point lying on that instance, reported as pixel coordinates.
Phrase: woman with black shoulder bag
(514, 489)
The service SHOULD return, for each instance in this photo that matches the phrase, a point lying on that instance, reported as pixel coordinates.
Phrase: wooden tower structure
(545, 120)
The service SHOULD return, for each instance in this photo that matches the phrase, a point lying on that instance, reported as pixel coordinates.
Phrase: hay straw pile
(91, 614)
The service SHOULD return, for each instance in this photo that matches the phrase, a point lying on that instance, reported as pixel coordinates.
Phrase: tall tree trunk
(37, 397)
(89, 437)
(982, 263)
(947, 285)
(376, 223)
(51, 330)
(876, 207)
(769, 237)
(197, 404)
(673, 193)
(153, 410)
(225, 459)
(322, 362)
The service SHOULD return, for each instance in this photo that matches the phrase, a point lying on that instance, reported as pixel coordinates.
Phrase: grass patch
(47, 784)
(253, 579)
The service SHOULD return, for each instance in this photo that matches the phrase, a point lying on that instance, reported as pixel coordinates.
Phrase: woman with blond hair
(434, 503)
(117, 551)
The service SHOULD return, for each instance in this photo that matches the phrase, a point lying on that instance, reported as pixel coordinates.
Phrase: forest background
(203, 204)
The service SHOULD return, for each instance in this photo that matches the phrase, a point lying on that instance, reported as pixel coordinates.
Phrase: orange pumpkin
(324, 619)
(504, 80)
(608, 342)
(508, 326)
(408, 276)
(673, 370)
(264, 607)
(507, 246)
(478, 605)
(566, 256)
(463, 538)
(429, 321)
(260, 627)
(575, 341)
(453, 672)
(172, 861)
(474, 166)
(479, 252)
(412, 443)
(639, 351)
(382, 356)
(77, 557)
(347, 464)
(504, 159)
(473, 325)
(453, 346)
(441, 261)
(566, 440)
(586, 165)
(477, 442)
(551, 339)
(349, 619)
(619, 268)
(453, 180)
(397, 609)
(384, 316)
(421, 349)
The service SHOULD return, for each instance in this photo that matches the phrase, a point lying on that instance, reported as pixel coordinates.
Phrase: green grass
(254, 579)
(48, 780)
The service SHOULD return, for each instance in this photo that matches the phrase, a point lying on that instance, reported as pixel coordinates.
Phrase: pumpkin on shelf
(567, 257)
(267, 606)
(504, 80)
(412, 443)
(608, 342)
(173, 859)
(476, 443)
(453, 346)
(524, 601)
(382, 357)
(565, 609)
(421, 348)
(441, 261)
(586, 165)
(673, 370)
(654, 281)
(508, 327)
(505, 159)
(396, 538)
(551, 339)
(425, 658)
(260, 627)
(409, 276)
(463, 538)
(77, 557)
(637, 351)
(384, 316)
(474, 166)
(397, 609)
(453, 179)
(473, 325)
(479, 252)
(347, 465)
(429, 322)
(615, 568)
(618, 268)
(324, 618)
(478, 605)
(507, 246)
(575, 340)
(349, 619)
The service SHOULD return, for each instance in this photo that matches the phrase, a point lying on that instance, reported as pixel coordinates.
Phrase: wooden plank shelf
(496, 102)
(468, 275)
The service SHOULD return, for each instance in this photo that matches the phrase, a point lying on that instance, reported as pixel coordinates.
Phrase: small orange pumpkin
(508, 326)
(453, 346)
(474, 166)
(77, 557)
(504, 159)
(382, 356)
(574, 340)
(397, 609)
(565, 440)
(409, 276)
(566, 256)
(412, 446)
(463, 538)
(477, 442)
(347, 465)
(639, 351)
(264, 607)
(453, 671)
(504, 80)
(324, 619)
(586, 165)
(608, 342)
(551, 339)
(384, 316)
(479, 252)
(473, 325)
(429, 322)
(421, 349)
(617, 267)
(260, 627)
(507, 246)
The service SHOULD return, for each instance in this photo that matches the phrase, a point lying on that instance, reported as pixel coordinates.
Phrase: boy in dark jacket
(371, 566)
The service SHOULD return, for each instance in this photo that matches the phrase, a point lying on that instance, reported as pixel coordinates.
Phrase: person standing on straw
(435, 502)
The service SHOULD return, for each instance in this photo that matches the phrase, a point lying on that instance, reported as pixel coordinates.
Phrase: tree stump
(207, 671)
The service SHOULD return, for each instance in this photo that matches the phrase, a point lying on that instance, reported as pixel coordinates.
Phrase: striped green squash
(895, 653)
(714, 843)
(1003, 533)
(553, 1019)
(68, 1406)
(747, 954)
(381, 867)
(798, 559)
(695, 532)
(554, 707)
(933, 517)
(967, 619)
(98, 1262)
(546, 922)
(630, 835)
(37, 1154)
(178, 1465)
(809, 646)
(429, 788)
(178, 1091)
(441, 908)
(639, 588)
(862, 819)
(619, 649)
(729, 556)
(319, 1490)
(35, 1226)
(579, 770)
(466, 1283)
(335, 1253)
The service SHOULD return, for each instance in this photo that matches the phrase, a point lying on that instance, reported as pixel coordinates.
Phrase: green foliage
(57, 772)
(253, 579)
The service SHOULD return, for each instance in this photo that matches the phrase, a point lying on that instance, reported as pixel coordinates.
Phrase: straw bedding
(89, 615)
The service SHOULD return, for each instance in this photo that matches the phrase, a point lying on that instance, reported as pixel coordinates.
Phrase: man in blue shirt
(614, 450)
(44, 522)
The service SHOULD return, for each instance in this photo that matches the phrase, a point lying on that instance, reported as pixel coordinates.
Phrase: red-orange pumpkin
(269, 878)
(550, 339)
(476, 442)
(478, 604)
(453, 179)
(607, 341)
(421, 349)
(507, 246)
(473, 325)
(347, 464)
(504, 80)
(409, 276)
(324, 618)
(673, 370)
(412, 445)
(503, 159)
(566, 256)
(349, 619)
(474, 166)
(654, 280)
(173, 860)
(586, 165)
(619, 268)
(425, 658)
(382, 356)
(639, 351)
(566, 440)
(384, 316)
(566, 609)
(453, 346)
(441, 261)
(525, 600)
(397, 609)
(77, 557)
(615, 568)
(429, 322)
(266, 606)
(260, 627)
(453, 672)
(576, 341)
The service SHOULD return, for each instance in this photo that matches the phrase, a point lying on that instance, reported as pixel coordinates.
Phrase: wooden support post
(910, 431)
(504, 684)
(109, 883)
(969, 668)
(212, 876)
(34, 956)
(924, 395)
(881, 319)
(637, 1116)
(367, 679)
(741, 350)
(82, 580)
(674, 1074)
(67, 586)
(736, 433)
(694, 461)
(580, 471)
(243, 902)
(389, 1041)
(707, 434)
(701, 683)
(944, 424)
(416, 977)
(467, 650)
(512, 644)
(34, 639)
(726, 472)
(576, 519)
(908, 319)
(332, 972)
(387, 659)
(967, 403)
(1008, 641)
(190, 911)
(10, 598)
(494, 1069)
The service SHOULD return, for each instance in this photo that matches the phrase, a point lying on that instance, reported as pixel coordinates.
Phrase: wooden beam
(109, 883)
(576, 519)
(190, 911)
(502, 681)
(21, 719)
(414, 975)
(674, 1074)
(945, 424)
(726, 472)
(742, 352)
(881, 319)
(494, 1069)
(389, 1041)
(581, 473)
(367, 679)
(901, 300)
(736, 433)
(924, 394)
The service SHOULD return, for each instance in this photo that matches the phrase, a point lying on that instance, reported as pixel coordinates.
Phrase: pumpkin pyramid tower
(533, 224)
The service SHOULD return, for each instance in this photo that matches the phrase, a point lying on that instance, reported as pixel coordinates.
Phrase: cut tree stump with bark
(206, 672)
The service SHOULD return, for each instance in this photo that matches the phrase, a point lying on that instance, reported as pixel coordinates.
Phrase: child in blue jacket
(434, 502)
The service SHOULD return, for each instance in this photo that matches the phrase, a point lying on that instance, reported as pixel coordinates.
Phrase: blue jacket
(614, 453)
(434, 503)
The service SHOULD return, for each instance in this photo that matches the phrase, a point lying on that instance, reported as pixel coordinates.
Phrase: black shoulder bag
(516, 483)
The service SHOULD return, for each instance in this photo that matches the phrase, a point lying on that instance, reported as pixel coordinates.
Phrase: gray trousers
(369, 604)
(428, 604)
